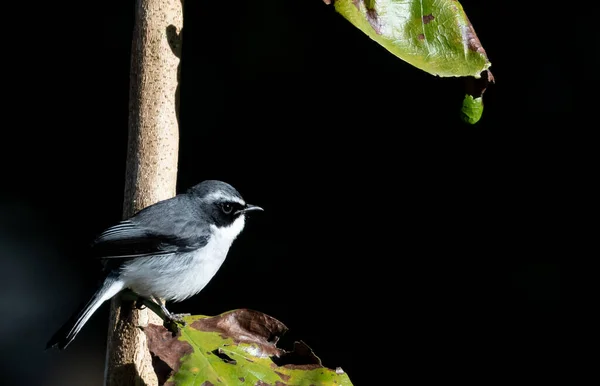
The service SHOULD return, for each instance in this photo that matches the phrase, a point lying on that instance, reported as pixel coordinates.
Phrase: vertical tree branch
(151, 172)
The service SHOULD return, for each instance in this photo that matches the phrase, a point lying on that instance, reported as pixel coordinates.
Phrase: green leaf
(472, 109)
(235, 348)
(433, 35)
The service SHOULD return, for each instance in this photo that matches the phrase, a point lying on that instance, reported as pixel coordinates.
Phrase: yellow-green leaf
(433, 35)
(235, 348)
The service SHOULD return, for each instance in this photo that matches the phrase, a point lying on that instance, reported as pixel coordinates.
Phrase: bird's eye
(227, 208)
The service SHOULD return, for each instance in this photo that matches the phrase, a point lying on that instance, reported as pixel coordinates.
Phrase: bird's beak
(250, 208)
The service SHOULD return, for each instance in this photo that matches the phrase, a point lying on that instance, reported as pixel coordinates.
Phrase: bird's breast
(176, 277)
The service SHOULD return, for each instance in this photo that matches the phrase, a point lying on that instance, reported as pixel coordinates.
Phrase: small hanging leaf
(235, 348)
(472, 109)
(433, 35)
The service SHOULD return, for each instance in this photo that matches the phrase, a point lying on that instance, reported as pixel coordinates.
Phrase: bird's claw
(173, 321)
(178, 318)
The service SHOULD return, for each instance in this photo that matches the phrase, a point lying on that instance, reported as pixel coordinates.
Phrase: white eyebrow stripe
(221, 196)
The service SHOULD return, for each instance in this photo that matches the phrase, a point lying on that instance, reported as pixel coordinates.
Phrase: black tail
(61, 339)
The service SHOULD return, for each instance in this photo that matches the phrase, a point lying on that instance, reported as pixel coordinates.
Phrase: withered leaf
(235, 347)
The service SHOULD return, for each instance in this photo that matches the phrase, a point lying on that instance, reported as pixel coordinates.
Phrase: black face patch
(219, 201)
(225, 212)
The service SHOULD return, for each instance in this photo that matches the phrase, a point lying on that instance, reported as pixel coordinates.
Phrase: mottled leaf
(433, 35)
(235, 348)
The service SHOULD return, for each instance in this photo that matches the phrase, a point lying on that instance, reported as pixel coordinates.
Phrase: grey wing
(158, 229)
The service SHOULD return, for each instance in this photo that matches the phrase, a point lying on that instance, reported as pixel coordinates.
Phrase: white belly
(176, 278)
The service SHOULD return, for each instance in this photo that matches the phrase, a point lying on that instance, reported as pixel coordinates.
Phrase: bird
(168, 251)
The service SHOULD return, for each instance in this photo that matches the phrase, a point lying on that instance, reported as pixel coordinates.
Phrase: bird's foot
(172, 322)
(178, 318)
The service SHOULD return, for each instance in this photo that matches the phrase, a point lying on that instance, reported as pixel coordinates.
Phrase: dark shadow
(162, 369)
(128, 375)
(175, 42)
(301, 355)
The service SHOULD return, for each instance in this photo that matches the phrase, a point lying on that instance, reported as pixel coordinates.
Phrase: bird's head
(222, 204)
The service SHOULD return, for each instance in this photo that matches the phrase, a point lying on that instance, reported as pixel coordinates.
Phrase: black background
(397, 241)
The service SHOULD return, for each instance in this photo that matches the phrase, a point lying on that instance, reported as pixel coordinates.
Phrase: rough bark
(151, 171)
